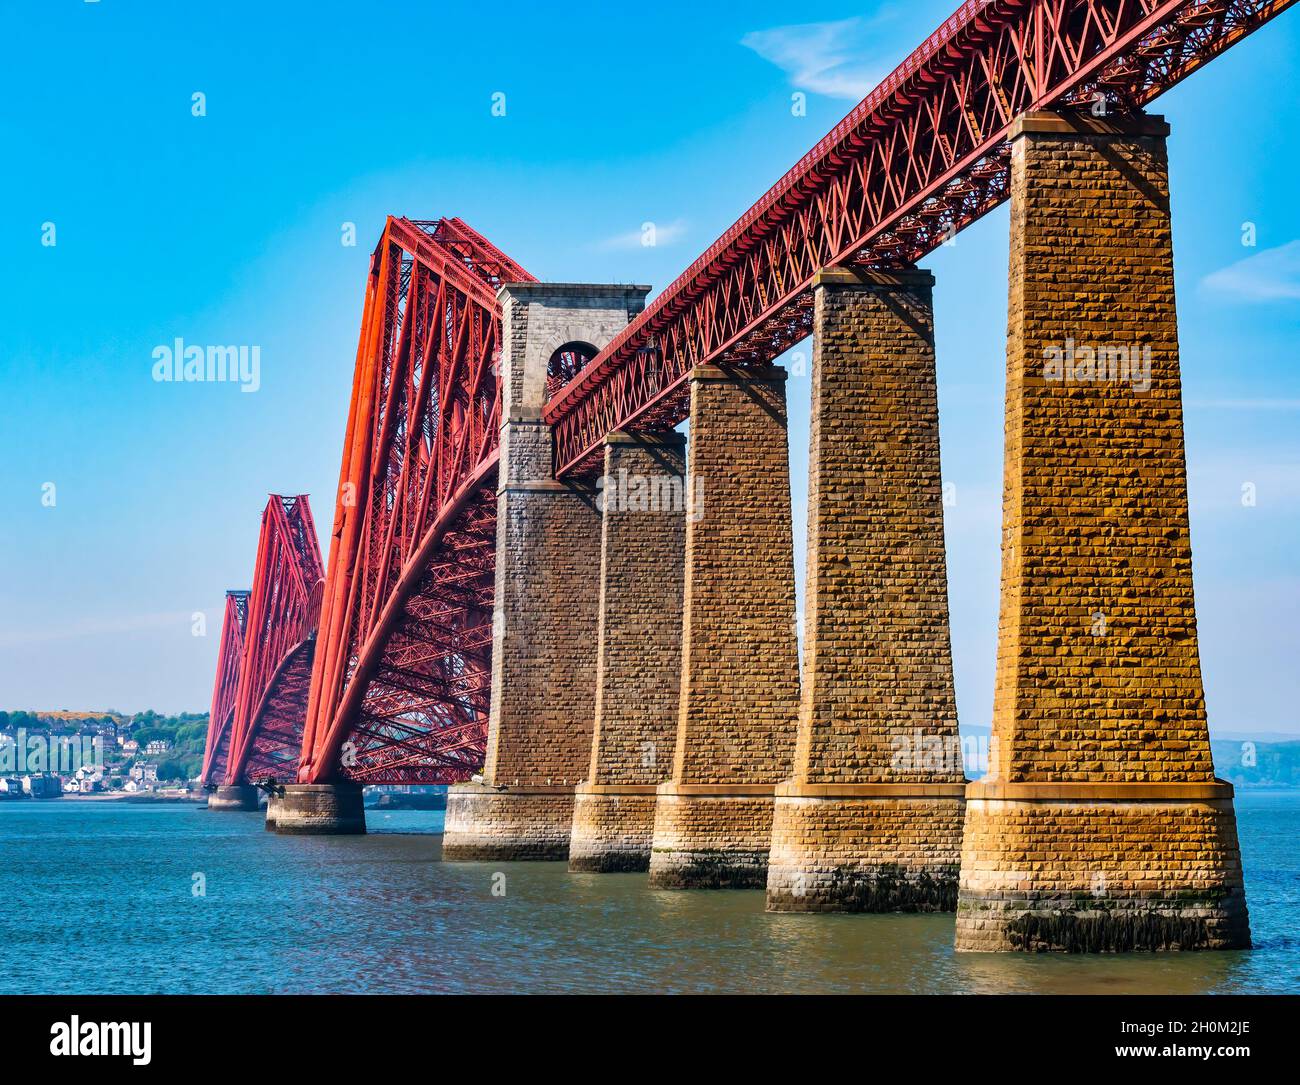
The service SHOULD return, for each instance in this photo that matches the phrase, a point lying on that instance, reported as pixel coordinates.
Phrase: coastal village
(144, 757)
(48, 755)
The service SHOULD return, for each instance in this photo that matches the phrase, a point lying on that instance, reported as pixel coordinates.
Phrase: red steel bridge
(268, 642)
(401, 675)
(222, 716)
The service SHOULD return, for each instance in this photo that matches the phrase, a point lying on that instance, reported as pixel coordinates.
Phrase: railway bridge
(539, 591)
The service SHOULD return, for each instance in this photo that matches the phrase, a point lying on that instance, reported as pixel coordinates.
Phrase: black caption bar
(293, 1033)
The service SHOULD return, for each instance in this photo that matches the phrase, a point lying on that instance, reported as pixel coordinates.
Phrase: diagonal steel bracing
(279, 643)
(221, 716)
(399, 690)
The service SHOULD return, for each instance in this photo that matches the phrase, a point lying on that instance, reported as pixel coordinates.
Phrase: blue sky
(226, 228)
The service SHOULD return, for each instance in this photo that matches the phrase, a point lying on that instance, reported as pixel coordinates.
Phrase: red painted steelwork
(400, 687)
(922, 156)
(279, 642)
(222, 715)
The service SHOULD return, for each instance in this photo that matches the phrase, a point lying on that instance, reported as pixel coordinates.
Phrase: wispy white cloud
(1271, 275)
(841, 59)
(649, 235)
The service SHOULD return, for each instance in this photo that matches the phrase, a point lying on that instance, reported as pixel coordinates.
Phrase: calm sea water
(99, 897)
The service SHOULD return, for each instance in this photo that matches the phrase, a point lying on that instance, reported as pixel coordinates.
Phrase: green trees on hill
(185, 734)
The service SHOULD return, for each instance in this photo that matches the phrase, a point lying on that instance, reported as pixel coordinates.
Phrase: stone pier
(740, 682)
(1101, 825)
(645, 502)
(316, 809)
(547, 589)
(233, 797)
(872, 819)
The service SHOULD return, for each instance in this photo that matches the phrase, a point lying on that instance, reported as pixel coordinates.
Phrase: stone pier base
(233, 797)
(711, 836)
(613, 825)
(1075, 867)
(272, 798)
(487, 825)
(317, 809)
(865, 848)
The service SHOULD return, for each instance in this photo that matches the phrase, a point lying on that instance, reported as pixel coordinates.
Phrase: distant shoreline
(144, 798)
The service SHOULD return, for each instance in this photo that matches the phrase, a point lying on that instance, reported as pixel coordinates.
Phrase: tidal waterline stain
(99, 896)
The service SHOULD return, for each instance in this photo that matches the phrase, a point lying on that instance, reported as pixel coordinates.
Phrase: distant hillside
(77, 717)
(1216, 735)
(1257, 764)
(1246, 759)
(185, 733)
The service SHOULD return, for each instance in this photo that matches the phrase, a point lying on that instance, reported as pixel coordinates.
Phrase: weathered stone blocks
(613, 828)
(1101, 826)
(484, 824)
(1141, 867)
(546, 594)
(543, 678)
(317, 809)
(739, 683)
(881, 848)
(711, 836)
(233, 797)
(644, 502)
(870, 822)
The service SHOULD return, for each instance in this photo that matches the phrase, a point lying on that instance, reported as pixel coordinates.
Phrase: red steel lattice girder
(399, 691)
(400, 688)
(222, 714)
(279, 642)
(922, 156)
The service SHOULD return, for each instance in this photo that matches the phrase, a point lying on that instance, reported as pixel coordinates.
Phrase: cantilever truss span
(400, 689)
(222, 715)
(256, 735)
